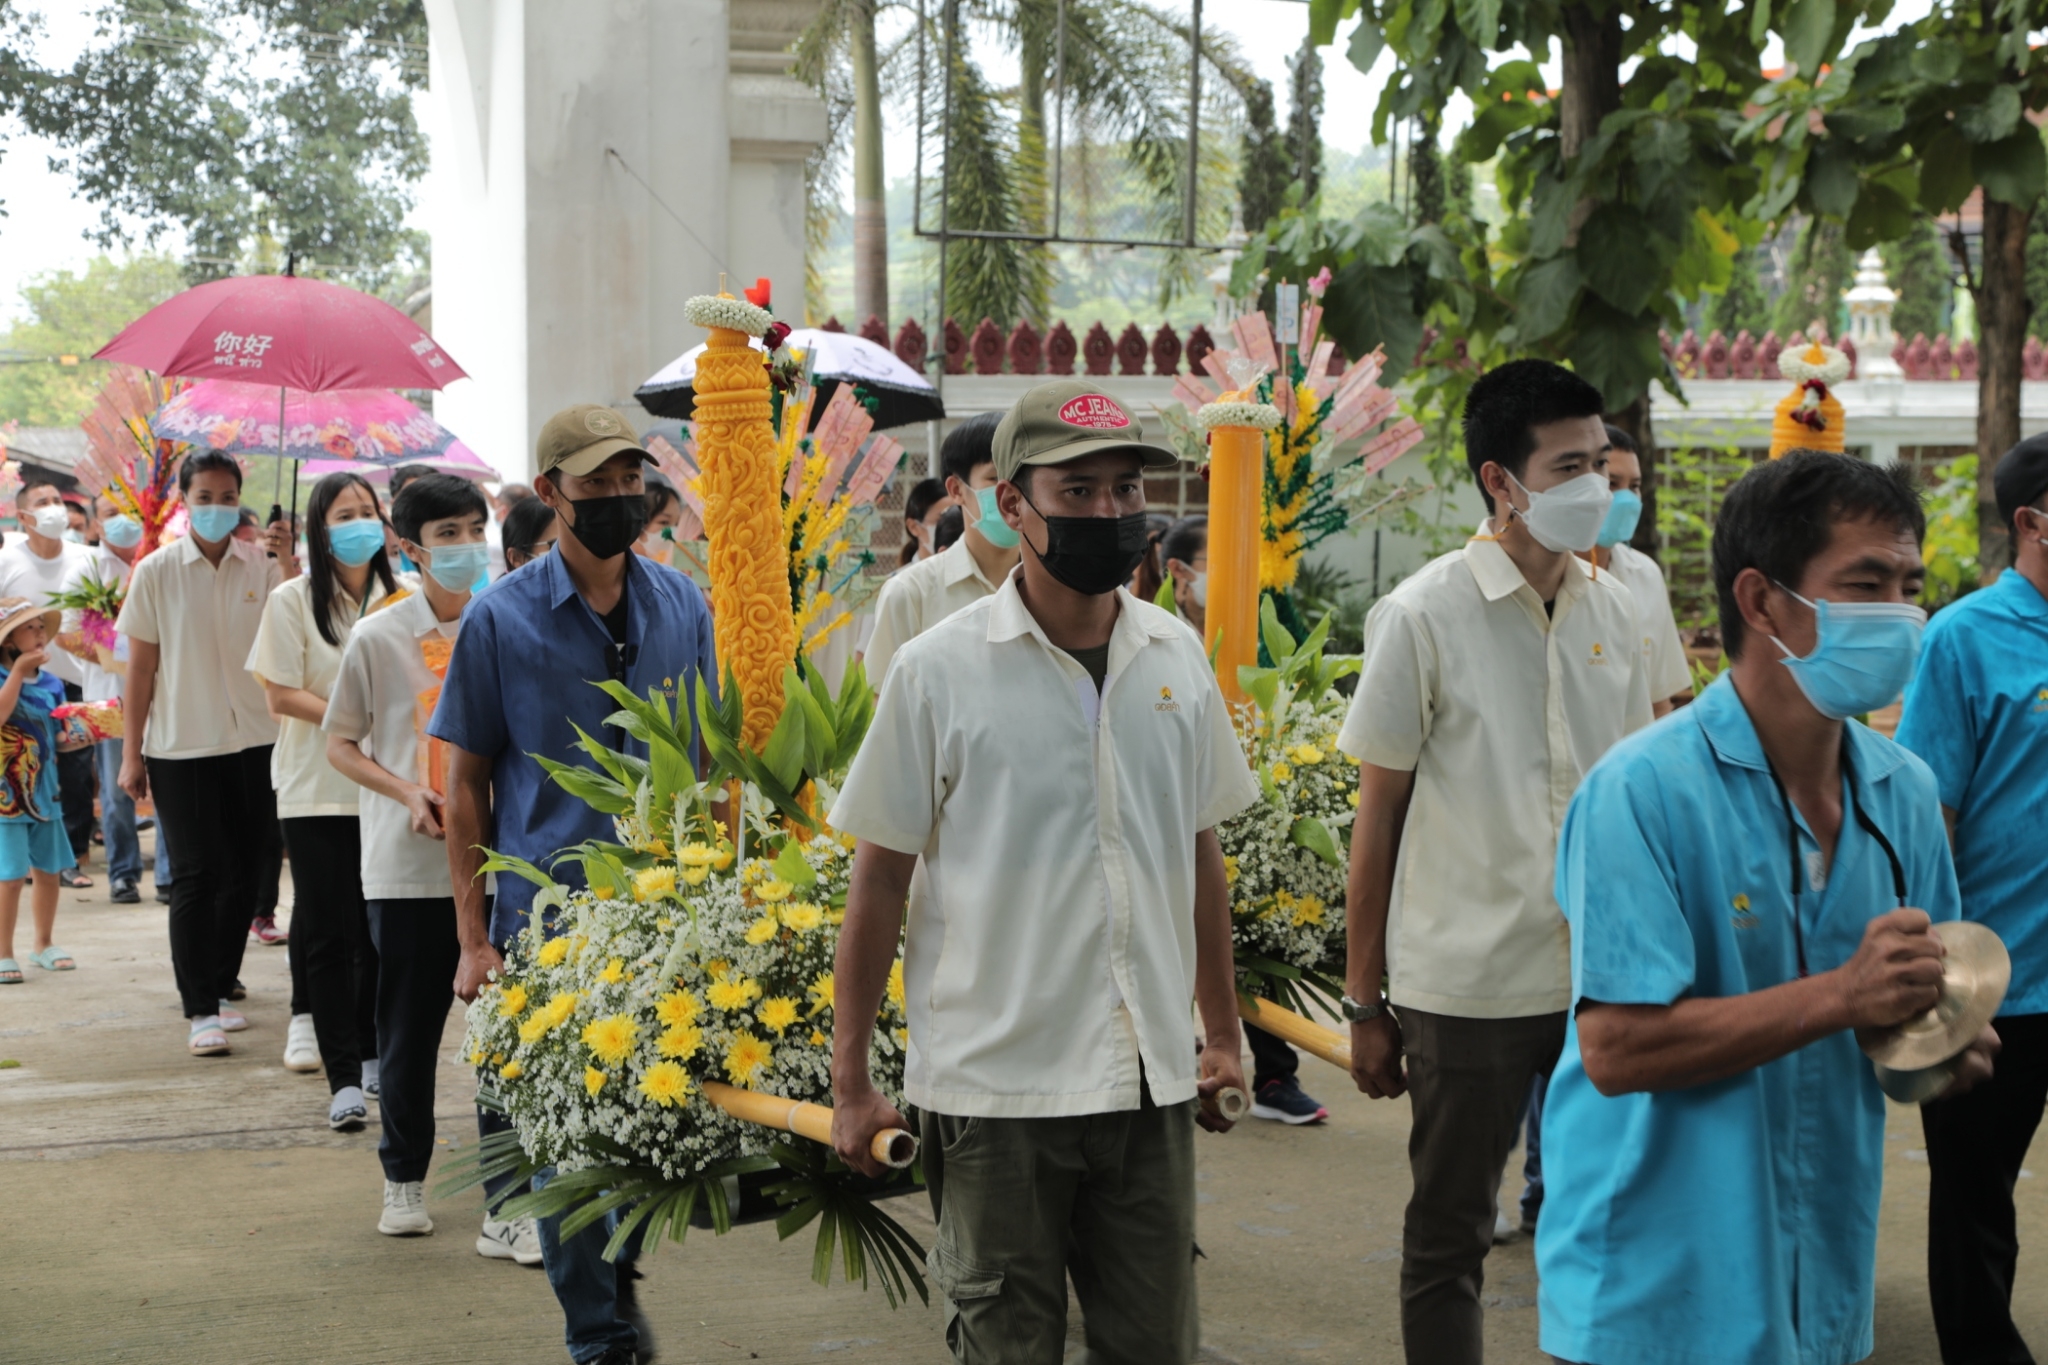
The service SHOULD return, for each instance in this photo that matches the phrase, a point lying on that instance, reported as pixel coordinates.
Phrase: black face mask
(608, 526)
(1092, 555)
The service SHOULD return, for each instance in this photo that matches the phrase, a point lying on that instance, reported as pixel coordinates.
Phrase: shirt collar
(1725, 721)
(1009, 618)
(957, 562)
(1498, 576)
(419, 613)
(2020, 594)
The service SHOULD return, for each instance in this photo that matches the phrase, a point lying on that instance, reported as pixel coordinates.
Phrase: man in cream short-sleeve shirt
(1493, 679)
(1059, 756)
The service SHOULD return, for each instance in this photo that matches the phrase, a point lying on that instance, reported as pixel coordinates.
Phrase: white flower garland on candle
(1264, 416)
(722, 310)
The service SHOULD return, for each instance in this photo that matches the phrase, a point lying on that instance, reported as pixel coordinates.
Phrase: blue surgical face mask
(993, 528)
(1622, 515)
(122, 532)
(459, 568)
(355, 543)
(1862, 657)
(215, 521)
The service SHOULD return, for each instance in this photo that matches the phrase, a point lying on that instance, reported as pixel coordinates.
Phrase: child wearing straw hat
(32, 839)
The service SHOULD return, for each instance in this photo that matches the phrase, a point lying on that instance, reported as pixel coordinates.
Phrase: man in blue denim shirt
(518, 685)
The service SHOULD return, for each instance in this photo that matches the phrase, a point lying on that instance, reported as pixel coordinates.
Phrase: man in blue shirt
(1735, 877)
(518, 684)
(1977, 712)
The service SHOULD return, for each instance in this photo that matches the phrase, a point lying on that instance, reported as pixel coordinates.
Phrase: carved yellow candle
(753, 625)
(1237, 441)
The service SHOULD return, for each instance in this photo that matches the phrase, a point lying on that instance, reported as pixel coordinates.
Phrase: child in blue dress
(32, 839)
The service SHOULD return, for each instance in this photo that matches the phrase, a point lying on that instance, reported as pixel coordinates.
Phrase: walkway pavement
(162, 1208)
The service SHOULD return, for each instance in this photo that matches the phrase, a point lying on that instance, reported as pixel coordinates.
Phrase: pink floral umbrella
(458, 460)
(369, 426)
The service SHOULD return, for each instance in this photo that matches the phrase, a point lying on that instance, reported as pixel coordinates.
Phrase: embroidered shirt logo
(1599, 654)
(2041, 700)
(1094, 410)
(1742, 919)
(1166, 701)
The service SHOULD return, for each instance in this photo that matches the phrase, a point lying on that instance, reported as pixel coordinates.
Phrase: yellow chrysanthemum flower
(818, 1039)
(677, 1009)
(1308, 910)
(694, 876)
(497, 1059)
(476, 1056)
(1307, 755)
(761, 930)
(802, 917)
(723, 860)
(778, 1013)
(593, 1081)
(665, 1083)
(513, 1003)
(1229, 869)
(614, 972)
(733, 993)
(697, 855)
(896, 983)
(511, 1071)
(654, 883)
(553, 952)
(682, 1042)
(548, 1017)
(821, 993)
(774, 890)
(1281, 772)
(1351, 799)
(611, 1037)
(747, 1058)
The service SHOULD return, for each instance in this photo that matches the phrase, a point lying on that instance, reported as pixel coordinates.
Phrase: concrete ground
(157, 1207)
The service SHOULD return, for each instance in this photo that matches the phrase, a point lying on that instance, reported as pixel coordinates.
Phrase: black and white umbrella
(904, 396)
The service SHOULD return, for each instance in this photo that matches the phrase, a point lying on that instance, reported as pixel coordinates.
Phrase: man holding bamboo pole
(1059, 756)
(1493, 680)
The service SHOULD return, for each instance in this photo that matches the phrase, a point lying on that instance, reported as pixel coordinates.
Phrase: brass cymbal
(1974, 977)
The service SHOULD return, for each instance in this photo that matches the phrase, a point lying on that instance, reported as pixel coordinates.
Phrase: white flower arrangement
(1263, 416)
(1800, 364)
(722, 310)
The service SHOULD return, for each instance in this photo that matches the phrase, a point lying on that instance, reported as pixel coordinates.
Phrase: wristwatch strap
(1357, 1013)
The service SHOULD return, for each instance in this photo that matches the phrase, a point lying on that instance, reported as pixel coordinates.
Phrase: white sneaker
(512, 1240)
(405, 1209)
(1504, 1230)
(370, 1078)
(301, 1047)
(348, 1110)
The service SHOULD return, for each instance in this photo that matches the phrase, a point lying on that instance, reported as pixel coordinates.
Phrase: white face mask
(1567, 518)
(52, 520)
(1199, 589)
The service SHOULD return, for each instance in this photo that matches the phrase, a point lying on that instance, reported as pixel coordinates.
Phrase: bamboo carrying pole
(1305, 1034)
(892, 1146)
(1236, 485)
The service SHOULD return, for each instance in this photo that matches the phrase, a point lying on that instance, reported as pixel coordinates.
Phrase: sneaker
(370, 1086)
(347, 1110)
(265, 931)
(163, 894)
(405, 1209)
(1283, 1102)
(1505, 1230)
(126, 892)
(512, 1240)
(232, 1020)
(301, 1046)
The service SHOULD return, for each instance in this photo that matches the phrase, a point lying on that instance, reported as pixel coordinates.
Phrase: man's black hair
(32, 477)
(200, 461)
(969, 446)
(434, 497)
(1621, 440)
(1185, 539)
(1508, 403)
(1782, 513)
(952, 524)
(405, 474)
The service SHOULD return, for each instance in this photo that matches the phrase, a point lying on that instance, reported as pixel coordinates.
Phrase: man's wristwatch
(1356, 1013)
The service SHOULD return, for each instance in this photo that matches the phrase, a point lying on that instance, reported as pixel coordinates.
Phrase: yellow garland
(1280, 542)
(754, 627)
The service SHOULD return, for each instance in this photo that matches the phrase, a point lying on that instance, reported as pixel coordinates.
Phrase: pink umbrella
(369, 425)
(286, 331)
(458, 459)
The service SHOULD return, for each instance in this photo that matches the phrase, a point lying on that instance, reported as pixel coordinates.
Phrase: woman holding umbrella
(297, 656)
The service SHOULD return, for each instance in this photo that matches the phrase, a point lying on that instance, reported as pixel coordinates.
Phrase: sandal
(53, 959)
(10, 972)
(208, 1041)
(74, 879)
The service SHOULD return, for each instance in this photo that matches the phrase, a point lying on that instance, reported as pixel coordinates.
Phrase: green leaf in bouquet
(791, 867)
(784, 755)
(518, 867)
(823, 1189)
(1278, 642)
(721, 740)
(819, 738)
(593, 789)
(495, 1154)
(1313, 835)
(1262, 685)
(626, 769)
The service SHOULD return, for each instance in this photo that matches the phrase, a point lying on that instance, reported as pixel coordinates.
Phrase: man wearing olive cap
(518, 688)
(1059, 755)
(1977, 711)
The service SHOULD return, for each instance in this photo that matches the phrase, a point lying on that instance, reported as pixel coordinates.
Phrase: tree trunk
(1034, 181)
(2002, 310)
(870, 216)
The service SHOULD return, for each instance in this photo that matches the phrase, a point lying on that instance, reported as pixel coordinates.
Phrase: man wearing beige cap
(1059, 755)
(518, 688)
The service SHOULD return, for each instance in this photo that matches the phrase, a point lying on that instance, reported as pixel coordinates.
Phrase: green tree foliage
(1305, 117)
(1742, 306)
(74, 314)
(165, 121)
(1426, 175)
(2037, 278)
(1262, 174)
(1822, 269)
(1920, 272)
(986, 278)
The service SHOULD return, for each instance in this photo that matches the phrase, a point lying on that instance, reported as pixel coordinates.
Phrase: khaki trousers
(1467, 1082)
(1023, 1203)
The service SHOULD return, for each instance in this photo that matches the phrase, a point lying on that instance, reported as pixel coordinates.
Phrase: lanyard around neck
(1862, 818)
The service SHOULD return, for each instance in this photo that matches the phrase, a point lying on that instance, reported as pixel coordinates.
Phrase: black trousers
(1272, 1058)
(1975, 1144)
(76, 775)
(416, 958)
(221, 818)
(331, 941)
